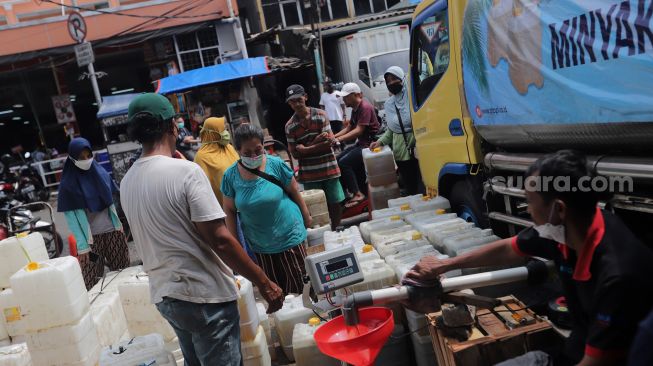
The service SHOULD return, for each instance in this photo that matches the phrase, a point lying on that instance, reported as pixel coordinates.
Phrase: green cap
(152, 103)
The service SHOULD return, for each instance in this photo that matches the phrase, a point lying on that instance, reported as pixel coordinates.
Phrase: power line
(134, 15)
(65, 59)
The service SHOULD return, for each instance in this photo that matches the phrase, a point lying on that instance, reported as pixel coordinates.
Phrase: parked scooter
(20, 218)
(27, 183)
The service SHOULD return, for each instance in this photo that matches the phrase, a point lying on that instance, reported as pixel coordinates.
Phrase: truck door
(435, 93)
(365, 80)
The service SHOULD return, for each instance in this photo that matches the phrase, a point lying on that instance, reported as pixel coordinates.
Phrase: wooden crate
(492, 341)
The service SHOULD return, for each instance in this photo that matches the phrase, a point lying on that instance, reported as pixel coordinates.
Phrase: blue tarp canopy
(213, 74)
(115, 105)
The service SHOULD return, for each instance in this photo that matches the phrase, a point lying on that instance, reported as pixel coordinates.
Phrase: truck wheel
(467, 202)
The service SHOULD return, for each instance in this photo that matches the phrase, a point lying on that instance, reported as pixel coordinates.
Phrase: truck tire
(466, 198)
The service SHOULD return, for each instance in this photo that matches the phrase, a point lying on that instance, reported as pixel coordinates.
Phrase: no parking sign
(63, 109)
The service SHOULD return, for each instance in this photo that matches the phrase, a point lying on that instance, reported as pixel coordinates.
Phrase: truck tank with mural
(497, 83)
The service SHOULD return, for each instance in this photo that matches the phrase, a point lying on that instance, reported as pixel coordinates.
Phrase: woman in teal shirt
(274, 222)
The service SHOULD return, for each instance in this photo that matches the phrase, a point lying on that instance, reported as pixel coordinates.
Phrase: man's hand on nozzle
(429, 268)
(273, 295)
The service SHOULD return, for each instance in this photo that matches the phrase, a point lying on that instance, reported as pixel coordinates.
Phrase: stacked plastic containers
(436, 233)
(336, 239)
(405, 232)
(431, 204)
(377, 274)
(402, 262)
(174, 348)
(379, 195)
(385, 223)
(15, 355)
(367, 253)
(401, 211)
(304, 348)
(421, 340)
(401, 246)
(422, 220)
(143, 318)
(380, 166)
(17, 251)
(472, 238)
(108, 317)
(292, 312)
(12, 320)
(144, 350)
(255, 352)
(316, 236)
(266, 324)
(317, 206)
(381, 176)
(106, 306)
(4, 336)
(249, 319)
(112, 280)
(53, 299)
(407, 200)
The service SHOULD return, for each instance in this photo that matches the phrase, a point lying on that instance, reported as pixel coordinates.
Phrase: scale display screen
(333, 270)
(336, 266)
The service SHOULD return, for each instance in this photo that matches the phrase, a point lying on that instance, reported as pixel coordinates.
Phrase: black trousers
(410, 176)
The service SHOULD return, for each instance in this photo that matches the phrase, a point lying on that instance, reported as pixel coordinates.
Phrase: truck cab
(371, 69)
(448, 147)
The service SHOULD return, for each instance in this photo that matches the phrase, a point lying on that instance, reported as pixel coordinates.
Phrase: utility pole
(318, 52)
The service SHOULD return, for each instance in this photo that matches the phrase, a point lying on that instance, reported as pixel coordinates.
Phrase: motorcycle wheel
(53, 243)
(43, 195)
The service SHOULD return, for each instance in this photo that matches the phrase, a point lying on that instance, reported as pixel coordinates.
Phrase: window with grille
(288, 13)
(363, 7)
(198, 49)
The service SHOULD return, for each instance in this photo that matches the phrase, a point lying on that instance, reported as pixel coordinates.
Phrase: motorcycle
(26, 181)
(20, 218)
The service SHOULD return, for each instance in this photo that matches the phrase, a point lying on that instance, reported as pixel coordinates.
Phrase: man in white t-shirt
(186, 248)
(334, 107)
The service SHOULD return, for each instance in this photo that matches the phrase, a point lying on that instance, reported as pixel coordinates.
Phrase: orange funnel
(357, 345)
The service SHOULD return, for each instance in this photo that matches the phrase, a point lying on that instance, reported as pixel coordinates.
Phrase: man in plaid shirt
(311, 142)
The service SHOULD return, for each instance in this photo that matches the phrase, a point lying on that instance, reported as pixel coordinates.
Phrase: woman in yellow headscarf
(216, 153)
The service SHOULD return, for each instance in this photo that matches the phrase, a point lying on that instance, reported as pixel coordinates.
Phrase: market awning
(213, 74)
(115, 105)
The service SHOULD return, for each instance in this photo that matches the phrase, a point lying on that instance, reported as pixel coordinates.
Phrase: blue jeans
(209, 334)
(352, 169)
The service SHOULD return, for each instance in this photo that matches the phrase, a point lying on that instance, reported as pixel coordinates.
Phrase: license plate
(28, 189)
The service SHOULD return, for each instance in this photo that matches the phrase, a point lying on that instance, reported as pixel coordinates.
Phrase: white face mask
(252, 163)
(550, 231)
(83, 164)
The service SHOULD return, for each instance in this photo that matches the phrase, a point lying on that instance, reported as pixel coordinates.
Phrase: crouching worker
(606, 272)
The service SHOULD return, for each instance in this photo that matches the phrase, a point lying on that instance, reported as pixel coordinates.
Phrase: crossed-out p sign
(77, 27)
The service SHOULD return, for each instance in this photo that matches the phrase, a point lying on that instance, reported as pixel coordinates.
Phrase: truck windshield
(430, 53)
(379, 64)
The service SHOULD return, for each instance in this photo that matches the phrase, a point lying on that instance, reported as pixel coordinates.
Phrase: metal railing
(53, 167)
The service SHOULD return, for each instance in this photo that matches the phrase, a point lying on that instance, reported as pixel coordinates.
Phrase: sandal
(353, 203)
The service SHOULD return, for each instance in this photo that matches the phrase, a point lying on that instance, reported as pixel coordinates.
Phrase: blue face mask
(181, 125)
(252, 163)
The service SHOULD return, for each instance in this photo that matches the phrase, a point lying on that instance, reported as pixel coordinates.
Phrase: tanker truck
(494, 84)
